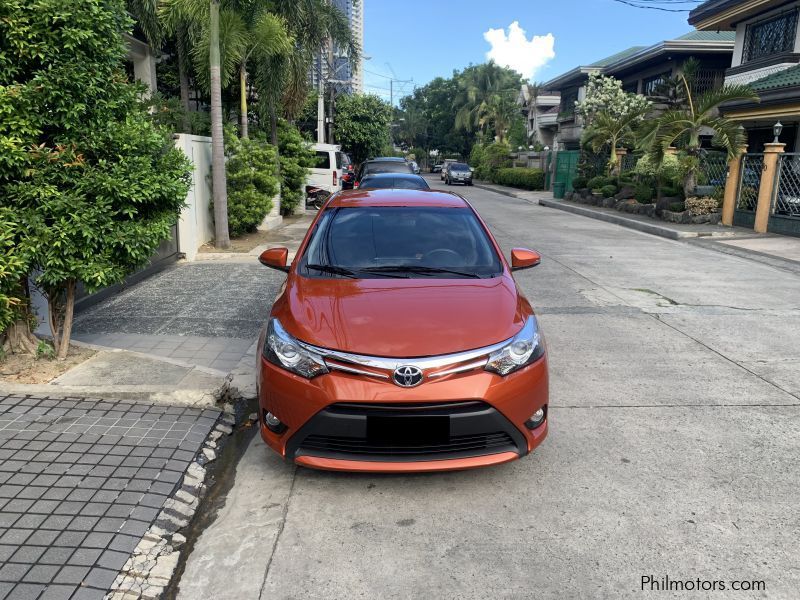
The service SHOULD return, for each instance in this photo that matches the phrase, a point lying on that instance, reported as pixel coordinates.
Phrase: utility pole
(320, 101)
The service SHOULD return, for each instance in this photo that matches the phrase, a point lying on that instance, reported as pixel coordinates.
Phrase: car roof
(395, 197)
(387, 158)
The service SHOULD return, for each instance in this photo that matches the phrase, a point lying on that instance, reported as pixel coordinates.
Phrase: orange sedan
(400, 341)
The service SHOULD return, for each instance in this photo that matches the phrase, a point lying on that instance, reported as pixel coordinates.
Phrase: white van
(325, 177)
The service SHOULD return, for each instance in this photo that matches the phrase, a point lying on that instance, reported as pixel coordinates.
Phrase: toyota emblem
(407, 376)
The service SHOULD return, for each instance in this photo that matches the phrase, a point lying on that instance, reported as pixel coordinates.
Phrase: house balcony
(757, 69)
(547, 119)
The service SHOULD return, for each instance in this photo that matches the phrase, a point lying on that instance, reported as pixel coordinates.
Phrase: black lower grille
(414, 432)
(497, 441)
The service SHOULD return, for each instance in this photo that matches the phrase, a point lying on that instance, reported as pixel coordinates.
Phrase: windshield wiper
(334, 270)
(421, 270)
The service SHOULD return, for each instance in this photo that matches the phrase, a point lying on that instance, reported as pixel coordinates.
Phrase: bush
(701, 205)
(677, 207)
(668, 170)
(495, 157)
(596, 183)
(644, 194)
(608, 191)
(579, 183)
(296, 158)
(672, 192)
(520, 177)
(252, 183)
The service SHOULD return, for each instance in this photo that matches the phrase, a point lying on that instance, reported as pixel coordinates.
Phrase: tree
(499, 111)
(96, 184)
(682, 127)
(606, 94)
(476, 87)
(362, 125)
(612, 130)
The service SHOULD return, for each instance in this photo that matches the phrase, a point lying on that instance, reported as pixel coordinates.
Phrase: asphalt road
(673, 449)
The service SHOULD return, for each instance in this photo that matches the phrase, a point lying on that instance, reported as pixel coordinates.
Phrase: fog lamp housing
(273, 423)
(537, 418)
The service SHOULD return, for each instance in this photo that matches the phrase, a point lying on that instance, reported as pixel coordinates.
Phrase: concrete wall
(196, 227)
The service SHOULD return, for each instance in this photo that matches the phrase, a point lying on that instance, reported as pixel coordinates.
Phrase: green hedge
(520, 177)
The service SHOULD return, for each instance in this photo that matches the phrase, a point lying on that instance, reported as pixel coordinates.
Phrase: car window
(411, 183)
(339, 160)
(382, 182)
(459, 167)
(323, 160)
(389, 166)
(346, 159)
(408, 242)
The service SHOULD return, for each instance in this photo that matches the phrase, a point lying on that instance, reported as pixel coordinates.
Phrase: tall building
(337, 66)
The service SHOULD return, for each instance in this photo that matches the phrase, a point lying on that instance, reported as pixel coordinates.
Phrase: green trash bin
(558, 189)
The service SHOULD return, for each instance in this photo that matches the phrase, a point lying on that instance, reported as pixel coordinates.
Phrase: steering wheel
(443, 257)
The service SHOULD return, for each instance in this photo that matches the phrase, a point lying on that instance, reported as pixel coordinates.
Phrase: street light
(776, 129)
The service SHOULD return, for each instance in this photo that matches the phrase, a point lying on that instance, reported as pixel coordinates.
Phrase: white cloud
(517, 52)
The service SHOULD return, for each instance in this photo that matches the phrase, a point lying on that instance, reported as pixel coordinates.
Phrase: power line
(661, 4)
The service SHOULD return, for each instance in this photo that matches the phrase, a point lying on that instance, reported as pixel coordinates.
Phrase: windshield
(387, 181)
(459, 167)
(406, 242)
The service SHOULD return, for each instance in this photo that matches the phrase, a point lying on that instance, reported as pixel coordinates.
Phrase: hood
(401, 318)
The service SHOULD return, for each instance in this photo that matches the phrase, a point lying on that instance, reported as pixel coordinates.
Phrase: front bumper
(327, 419)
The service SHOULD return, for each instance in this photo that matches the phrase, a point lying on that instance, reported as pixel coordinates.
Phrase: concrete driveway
(673, 452)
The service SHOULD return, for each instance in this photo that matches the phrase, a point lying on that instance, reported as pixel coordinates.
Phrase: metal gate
(566, 167)
(747, 191)
(785, 211)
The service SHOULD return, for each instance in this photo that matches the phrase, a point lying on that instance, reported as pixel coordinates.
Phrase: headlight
(283, 350)
(521, 350)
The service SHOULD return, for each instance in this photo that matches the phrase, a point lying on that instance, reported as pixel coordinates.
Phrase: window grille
(650, 86)
(770, 36)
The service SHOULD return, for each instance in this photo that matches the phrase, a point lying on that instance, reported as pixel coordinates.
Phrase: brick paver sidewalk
(80, 482)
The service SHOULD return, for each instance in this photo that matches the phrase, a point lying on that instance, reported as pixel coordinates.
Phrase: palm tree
(611, 130)
(682, 127)
(499, 110)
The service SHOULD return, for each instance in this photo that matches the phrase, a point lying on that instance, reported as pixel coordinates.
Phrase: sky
(420, 40)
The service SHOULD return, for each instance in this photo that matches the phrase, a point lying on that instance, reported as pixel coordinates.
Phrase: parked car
(447, 162)
(414, 166)
(400, 341)
(325, 177)
(437, 168)
(382, 165)
(405, 181)
(348, 172)
(458, 173)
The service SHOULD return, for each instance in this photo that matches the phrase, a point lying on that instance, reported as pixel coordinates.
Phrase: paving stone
(81, 481)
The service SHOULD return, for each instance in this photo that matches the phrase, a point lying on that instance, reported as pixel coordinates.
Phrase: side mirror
(275, 258)
(524, 259)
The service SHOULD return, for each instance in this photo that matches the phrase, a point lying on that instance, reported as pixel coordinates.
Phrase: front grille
(481, 444)
(443, 430)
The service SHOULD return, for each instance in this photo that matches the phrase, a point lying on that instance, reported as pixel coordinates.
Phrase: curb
(151, 568)
(504, 191)
(650, 228)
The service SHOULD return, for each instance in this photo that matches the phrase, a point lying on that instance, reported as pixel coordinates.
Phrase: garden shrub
(644, 194)
(608, 191)
(296, 158)
(495, 157)
(677, 207)
(668, 170)
(701, 205)
(521, 177)
(672, 191)
(596, 183)
(579, 183)
(252, 182)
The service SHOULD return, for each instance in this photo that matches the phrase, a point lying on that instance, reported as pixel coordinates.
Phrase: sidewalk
(103, 468)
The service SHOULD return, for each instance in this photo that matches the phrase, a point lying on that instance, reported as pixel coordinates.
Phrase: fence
(749, 182)
(714, 170)
(628, 162)
(787, 188)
